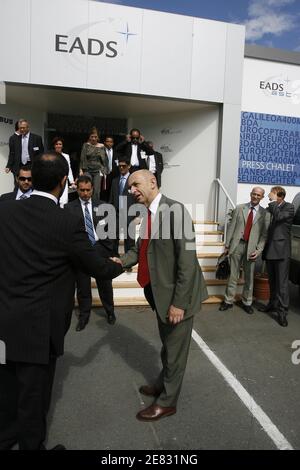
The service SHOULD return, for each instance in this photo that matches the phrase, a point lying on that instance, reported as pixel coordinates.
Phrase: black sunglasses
(24, 178)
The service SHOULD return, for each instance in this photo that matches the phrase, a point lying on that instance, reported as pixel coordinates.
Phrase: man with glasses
(245, 241)
(23, 186)
(122, 199)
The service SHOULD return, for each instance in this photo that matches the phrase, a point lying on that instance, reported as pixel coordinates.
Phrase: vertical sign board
(270, 126)
(269, 149)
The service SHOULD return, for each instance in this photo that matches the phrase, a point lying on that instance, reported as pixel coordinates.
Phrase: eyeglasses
(25, 178)
(123, 166)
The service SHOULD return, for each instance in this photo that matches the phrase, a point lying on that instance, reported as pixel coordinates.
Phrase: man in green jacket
(173, 285)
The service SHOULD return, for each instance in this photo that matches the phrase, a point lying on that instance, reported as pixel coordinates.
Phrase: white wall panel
(123, 26)
(15, 40)
(208, 60)
(235, 41)
(68, 18)
(188, 142)
(167, 54)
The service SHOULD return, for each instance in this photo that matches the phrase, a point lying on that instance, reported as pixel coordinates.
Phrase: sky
(270, 23)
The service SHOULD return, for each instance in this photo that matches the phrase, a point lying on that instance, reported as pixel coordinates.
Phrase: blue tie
(89, 224)
(122, 183)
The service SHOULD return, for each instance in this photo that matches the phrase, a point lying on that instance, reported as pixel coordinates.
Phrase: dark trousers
(176, 341)
(278, 271)
(84, 295)
(25, 395)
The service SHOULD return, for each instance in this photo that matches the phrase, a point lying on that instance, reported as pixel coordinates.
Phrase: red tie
(248, 225)
(143, 275)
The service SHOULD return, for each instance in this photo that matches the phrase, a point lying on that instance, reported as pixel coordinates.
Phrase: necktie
(89, 224)
(121, 189)
(25, 156)
(143, 276)
(23, 196)
(248, 225)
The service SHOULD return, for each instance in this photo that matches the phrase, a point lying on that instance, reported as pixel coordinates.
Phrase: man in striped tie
(85, 207)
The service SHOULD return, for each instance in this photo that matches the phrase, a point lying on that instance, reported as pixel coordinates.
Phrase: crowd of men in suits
(131, 155)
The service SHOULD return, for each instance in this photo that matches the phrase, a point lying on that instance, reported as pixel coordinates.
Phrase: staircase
(209, 242)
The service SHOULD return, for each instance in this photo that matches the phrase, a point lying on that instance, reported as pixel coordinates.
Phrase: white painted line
(273, 432)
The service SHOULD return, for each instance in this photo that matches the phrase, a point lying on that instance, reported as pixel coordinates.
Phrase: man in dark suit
(23, 148)
(173, 283)
(42, 244)
(86, 209)
(24, 186)
(135, 149)
(112, 168)
(155, 163)
(122, 200)
(277, 253)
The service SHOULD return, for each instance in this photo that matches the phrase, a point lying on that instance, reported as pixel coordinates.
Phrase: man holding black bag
(245, 241)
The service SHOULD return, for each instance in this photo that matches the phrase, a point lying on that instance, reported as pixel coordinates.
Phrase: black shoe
(247, 308)
(81, 324)
(58, 447)
(282, 320)
(266, 308)
(225, 306)
(111, 318)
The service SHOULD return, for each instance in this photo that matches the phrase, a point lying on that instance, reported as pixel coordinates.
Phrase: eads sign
(93, 46)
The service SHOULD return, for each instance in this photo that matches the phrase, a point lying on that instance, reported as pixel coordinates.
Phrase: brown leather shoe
(155, 412)
(149, 391)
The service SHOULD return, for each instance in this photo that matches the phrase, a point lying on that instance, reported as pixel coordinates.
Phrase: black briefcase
(223, 267)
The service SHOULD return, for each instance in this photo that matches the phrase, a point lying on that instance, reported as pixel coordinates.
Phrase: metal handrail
(219, 185)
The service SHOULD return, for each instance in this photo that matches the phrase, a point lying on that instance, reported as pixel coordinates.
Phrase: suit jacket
(258, 234)
(279, 236)
(9, 196)
(35, 148)
(114, 194)
(125, 149)
(114, 171)
(159, 167)
(176, 277)
(43, 244)
(105, 247)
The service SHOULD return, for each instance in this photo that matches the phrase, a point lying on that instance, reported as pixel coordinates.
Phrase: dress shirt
(90, 209)
(25, 154)
(20, 193)
(35, 192)
(255, 210)
(154, 206)
(151, 163)
(109, 153)
(134, 161)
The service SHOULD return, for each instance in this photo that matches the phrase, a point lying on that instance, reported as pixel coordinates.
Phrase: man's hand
(7, 170)
(272, 196)
(253, 256)
(226, 251)
(128, 138)
(142, 139)
(175, 315)
(117, 260)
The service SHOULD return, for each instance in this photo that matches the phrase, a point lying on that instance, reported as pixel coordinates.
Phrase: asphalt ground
(95, 396)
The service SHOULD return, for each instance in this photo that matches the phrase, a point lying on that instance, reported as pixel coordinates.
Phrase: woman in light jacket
(58, 144)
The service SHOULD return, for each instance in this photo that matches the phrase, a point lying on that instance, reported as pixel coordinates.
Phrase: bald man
(173, 285)
(245, 241)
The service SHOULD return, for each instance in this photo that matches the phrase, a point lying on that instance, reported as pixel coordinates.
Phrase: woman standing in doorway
(58, 144)
(93, 161)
